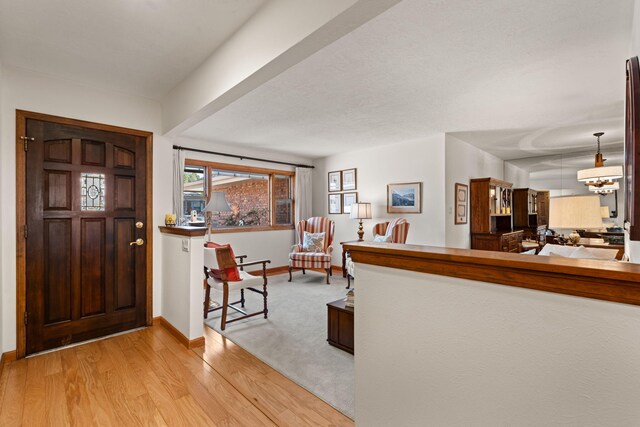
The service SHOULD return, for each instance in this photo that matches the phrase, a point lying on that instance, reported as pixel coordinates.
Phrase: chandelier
(600, 176)
(605, 189)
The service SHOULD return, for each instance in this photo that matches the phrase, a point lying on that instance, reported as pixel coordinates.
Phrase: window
(260, 199)
(195, 196)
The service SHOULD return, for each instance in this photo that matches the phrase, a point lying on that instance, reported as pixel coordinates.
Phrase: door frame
(21, 219)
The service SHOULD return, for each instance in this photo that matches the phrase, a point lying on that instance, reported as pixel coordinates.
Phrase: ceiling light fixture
(600, 175)
(605, 189)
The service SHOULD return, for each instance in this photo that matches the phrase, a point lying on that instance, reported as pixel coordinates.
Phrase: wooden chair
(217, 261)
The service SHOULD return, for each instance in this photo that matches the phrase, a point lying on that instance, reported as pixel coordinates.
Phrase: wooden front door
(85, 207)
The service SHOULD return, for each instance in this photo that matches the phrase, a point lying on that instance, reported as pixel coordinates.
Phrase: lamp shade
(575, 212)
(604, 211)
(602, 173)
(360, 211)
(605, 189)
(217, 203)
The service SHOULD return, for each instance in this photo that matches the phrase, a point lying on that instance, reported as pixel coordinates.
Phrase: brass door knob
(138, 242)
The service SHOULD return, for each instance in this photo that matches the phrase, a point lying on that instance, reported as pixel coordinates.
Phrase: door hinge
(26, 317)
(25, 140)
(25, 231)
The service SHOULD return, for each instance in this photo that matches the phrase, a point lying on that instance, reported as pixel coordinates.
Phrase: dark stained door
(85, 193)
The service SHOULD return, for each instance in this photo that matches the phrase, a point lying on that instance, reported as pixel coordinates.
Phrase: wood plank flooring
(147, 378)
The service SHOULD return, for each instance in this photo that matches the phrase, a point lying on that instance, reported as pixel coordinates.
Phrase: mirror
(558, 174)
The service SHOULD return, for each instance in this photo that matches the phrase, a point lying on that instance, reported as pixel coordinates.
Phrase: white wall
(182, 283)
(518, 176)
(464, 162)
(2, 217)
(273, 245)
(472, 353)
(22, 89)
(418, 161)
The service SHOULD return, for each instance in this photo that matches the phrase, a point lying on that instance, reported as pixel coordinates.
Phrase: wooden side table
(344, 256)
(340, 325)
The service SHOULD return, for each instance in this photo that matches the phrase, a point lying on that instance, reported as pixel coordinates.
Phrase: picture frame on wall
(335, 181)
(349, 179)
(405, 198)
(461, 203)
(335, 203)
(348, 199)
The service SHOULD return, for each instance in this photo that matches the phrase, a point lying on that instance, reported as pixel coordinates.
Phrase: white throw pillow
(529, 252)
(382, 239)
(595, 253)
(559, 250)
(556, 254)
(313, 242)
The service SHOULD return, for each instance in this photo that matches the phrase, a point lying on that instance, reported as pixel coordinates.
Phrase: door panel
(57, 190)
(125, 296)
(92, 246)
(85, 190)
(57, 276)
(57, 150)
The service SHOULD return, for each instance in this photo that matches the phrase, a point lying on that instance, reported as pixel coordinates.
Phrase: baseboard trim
(6, 358)
(196, 342)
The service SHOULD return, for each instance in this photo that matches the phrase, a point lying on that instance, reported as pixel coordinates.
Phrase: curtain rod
(178, 147)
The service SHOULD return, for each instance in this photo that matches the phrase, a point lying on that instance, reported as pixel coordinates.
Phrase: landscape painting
(404, 198)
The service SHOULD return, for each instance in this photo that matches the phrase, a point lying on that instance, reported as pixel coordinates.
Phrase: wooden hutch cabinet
(543, 207)
(526, 216)
(491, 221)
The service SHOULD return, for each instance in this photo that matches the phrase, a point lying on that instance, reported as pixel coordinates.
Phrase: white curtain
(178, 184)
(303, 194)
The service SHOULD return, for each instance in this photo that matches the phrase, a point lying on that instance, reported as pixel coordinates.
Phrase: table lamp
(360, 211)
(217, 203)
(575, 212)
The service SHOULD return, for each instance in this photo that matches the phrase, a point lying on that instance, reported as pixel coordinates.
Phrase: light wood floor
(148, 378)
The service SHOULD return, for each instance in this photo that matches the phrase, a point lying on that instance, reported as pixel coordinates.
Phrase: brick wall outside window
(249, 201)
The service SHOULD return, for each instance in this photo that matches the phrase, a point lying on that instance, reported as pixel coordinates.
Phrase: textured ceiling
(143, 47)
(510, 76)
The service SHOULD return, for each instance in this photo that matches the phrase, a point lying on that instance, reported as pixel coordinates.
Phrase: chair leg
(289, 273)
(328, 273)
(331, 271)
(303, 271)
(242, 298)
(264, 297)
(225, 302)
(348, 281)
(207, 299)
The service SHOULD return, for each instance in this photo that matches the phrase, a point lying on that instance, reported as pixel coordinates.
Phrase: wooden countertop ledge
(187, 231)
(604, 280)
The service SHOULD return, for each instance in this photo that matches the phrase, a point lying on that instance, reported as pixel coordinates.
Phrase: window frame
(230, 167)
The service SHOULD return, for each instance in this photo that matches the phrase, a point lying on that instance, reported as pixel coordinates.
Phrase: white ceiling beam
(281, 34)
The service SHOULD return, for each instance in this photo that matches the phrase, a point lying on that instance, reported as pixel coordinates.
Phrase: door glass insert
(92, 192)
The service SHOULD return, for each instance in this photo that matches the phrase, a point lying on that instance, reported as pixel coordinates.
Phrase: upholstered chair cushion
(233, 273)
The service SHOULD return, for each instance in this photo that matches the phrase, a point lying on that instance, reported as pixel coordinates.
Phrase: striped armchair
(397, 228)
(300, 259)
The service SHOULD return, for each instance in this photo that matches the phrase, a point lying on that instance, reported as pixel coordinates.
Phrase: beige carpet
(293, 340)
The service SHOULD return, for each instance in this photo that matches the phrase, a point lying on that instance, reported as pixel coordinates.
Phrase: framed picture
(349, 180)
(461, 203)
(335, 203)
(347, 200)
(335, 181)
(404, 198)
